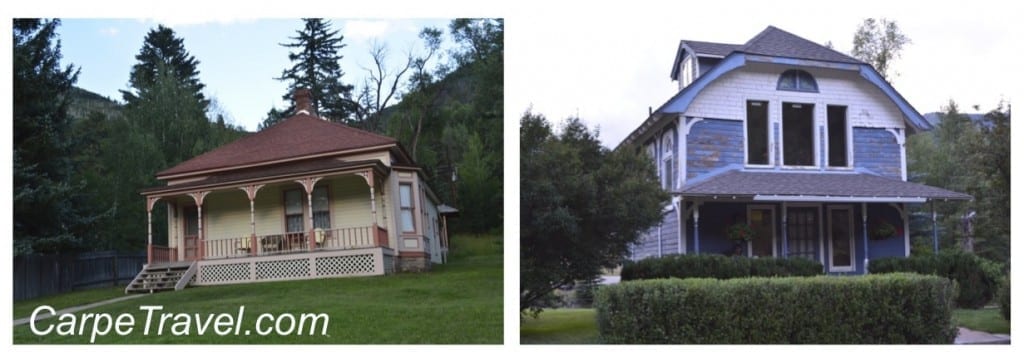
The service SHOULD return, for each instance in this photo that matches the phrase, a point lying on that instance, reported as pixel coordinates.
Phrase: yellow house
(303, 199)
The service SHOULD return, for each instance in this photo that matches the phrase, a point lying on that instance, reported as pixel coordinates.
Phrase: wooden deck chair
(245, 244)
(319, 236)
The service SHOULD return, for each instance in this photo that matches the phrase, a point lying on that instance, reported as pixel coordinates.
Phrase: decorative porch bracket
(308, 183)
(250, 191)
(198, 197)
(150, 202)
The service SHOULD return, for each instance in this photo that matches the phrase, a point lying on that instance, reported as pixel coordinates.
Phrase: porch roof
(815, 187)
(273, 173)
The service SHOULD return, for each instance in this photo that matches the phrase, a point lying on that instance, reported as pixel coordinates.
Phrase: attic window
(797, 80)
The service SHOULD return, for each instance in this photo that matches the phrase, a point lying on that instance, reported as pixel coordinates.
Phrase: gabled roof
(773, 45)
(701, 49)
(299, 136)
(778, 43)
(796, 186)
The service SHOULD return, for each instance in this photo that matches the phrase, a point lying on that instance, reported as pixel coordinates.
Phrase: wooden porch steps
(162, 277)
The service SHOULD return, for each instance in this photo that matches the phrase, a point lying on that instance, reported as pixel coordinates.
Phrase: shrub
(717, 266)
(1004, 298)
(977, 277)
(894, 308)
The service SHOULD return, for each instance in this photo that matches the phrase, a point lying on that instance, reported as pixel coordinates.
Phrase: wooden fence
(43, 275)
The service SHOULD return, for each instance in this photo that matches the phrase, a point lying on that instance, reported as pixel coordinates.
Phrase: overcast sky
(610, 67)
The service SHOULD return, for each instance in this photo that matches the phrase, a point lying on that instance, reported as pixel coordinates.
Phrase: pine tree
(165, 97)
(47, 217)
(316, 67)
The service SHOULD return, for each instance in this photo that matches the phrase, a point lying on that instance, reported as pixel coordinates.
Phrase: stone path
(74, 309)
(970, 337)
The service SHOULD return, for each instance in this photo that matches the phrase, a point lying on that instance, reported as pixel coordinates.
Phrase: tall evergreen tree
(165, 97)
(46, 215)
(315, 67)
(163, 48)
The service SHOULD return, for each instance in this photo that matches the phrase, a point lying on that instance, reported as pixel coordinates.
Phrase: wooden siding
(350, 202)
(226, 215)
(876, 150)
(726, 96)
(648, 244)
(713, 144)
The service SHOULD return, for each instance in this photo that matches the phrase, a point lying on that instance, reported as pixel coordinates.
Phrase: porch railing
(161, 254)
(270, 244)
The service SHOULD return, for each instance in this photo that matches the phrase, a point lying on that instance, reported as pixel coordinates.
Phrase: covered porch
(299, 220)
(842, 220)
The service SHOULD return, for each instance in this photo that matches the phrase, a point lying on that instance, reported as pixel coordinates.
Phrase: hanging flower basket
(740, 232)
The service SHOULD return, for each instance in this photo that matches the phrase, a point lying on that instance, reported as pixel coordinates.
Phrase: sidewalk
(74, 309)
(971, 337)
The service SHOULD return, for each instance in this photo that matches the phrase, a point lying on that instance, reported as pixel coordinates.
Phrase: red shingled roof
(298, 136)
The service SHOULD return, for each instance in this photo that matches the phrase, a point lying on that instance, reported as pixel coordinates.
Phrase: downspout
(864, 232)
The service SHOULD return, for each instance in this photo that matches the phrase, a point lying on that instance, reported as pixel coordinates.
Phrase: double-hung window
(407, 207)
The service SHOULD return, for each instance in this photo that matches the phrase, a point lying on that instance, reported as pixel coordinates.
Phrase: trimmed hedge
(895, 308)
(718, 266)
(977, 277)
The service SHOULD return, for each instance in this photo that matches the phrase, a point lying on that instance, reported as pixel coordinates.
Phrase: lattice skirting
(354, 262)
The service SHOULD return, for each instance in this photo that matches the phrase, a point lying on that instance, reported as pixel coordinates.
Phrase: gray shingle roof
(776, 42)
(711, 48)
(839, 185)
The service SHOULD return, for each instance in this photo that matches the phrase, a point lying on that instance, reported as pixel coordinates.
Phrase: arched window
(797, 80)
(668, 159)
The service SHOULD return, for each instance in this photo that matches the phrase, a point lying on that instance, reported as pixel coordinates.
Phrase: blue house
(803, 144)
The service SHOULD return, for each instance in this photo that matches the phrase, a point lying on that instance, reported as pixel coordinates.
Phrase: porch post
(696, 227)
(785, 234)
(199, 197)
(308, 183)
(250, 191)
(680, 224)
(368, 176)
(864, 232)
(935, 230)
(150, 201)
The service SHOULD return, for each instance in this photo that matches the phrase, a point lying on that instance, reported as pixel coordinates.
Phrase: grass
(458, 302)
(988, 320)
(560, 326)
(24, 308)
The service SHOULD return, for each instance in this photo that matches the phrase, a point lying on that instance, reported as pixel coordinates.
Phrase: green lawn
(988, 320)
(459, 302)
(24, 308)
(560, 326)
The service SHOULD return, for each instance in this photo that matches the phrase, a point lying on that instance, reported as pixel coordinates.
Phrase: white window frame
(768, 132)
(853, 246)
(821, 226)
(411, 208)
(849, 140)
(815, 160)
(775, 243)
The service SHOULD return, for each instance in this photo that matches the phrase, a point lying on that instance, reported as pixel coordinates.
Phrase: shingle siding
(876, 150)
(649, 242)
(713, 144)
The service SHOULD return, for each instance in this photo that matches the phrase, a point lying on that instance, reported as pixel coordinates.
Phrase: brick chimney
(303, 102)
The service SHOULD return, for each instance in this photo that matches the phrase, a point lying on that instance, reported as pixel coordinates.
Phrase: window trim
(411, 208)
(797, 74)
(853, 245)
(769, 140)
(330, 207)
(815, 138)
(668, 157)
(284, 208)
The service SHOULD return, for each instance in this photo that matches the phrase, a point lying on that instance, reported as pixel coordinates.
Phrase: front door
(802, 232)
(841, 255)
(191, 241)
